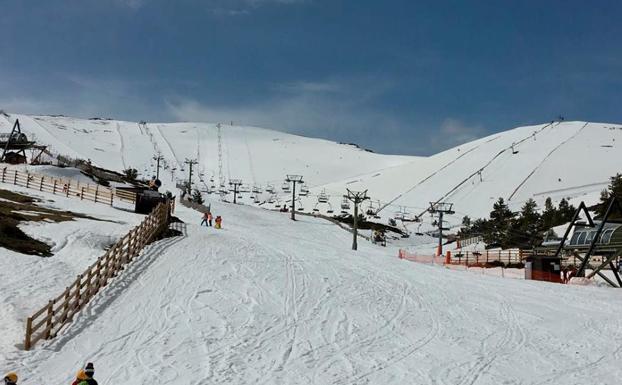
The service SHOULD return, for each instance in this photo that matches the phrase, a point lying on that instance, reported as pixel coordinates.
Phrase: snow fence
(66, 187)
(49, 320)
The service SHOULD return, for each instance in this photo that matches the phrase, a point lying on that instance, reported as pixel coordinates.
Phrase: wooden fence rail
(66, 187)
(47, 322)
(469, 258)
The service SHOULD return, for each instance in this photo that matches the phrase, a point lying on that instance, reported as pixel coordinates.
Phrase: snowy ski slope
(559, 159)
(269, 301)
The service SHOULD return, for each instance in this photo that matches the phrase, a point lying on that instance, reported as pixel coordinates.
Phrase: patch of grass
(12, 237)
(15, 197)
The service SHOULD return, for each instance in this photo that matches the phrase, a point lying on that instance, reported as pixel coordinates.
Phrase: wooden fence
(469, 258)
(476, 258)
(66, 187)
(48, 321)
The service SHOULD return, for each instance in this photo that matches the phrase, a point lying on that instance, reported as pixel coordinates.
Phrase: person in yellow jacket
(10, 378)
(218, 222)
(80, 376)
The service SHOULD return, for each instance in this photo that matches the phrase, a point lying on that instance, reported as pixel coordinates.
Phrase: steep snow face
(561, 160)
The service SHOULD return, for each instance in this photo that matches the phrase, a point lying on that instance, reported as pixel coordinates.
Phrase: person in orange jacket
(80, 376)
(209, 218)
(218, 221)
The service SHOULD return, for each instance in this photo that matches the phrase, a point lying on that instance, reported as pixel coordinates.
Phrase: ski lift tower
(294, 179)
(190, 163)
(356, 197)
(158, 157)
(441, 208)
(236, 183)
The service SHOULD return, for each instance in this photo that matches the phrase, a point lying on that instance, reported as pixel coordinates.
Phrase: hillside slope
(558, 159)
(255, 155)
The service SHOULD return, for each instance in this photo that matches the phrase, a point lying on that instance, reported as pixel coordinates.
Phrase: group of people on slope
(83, 377)
(207, 220)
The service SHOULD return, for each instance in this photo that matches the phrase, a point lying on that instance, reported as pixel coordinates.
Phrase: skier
(209, 218)
(10, 378)
(218, 222)
(205, 218)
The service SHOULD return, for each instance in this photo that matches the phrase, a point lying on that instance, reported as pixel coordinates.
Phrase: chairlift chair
(270, 189)
(345, 204)
(285, 187)
(323, 197)
(304, 191)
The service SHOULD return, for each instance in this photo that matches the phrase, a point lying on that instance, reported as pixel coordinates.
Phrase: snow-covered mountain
(559, 159)
(268, 300)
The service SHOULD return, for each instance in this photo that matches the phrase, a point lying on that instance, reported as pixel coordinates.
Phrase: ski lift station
(609, 241)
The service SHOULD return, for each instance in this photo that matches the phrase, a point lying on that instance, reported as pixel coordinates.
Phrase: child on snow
(85, 376)
(89, 370)
(218, 222)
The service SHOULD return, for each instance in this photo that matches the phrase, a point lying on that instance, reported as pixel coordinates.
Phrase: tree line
(528, 227)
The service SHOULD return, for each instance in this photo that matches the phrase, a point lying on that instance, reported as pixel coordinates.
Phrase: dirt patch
(17, 208)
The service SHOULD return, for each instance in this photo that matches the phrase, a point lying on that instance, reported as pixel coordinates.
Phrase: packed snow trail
(271, 301)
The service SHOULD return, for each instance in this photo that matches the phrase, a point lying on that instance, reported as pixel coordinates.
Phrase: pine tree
(614, 190)
(527, 229)
(197, 197)
(549, 216)
(498, 231)
(565, 212)
(465, 230)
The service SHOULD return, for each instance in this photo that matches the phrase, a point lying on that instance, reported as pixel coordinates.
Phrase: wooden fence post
(28, 338)
(66, 304)
(41, 185)
(15, 178)
(3, 174)
(54, 188)
(49, 324)
(68, 188)
(27, 180)
(96, 191)
(78, 296)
